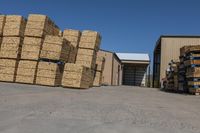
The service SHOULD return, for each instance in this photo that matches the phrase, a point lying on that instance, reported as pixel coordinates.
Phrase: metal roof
(134, 56)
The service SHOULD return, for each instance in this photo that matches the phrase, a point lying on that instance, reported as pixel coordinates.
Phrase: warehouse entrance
(134, 74)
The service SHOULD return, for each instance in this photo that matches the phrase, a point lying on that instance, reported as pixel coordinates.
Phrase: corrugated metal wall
(170, 50)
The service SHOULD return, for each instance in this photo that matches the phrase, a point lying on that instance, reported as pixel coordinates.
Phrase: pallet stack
(38, 26)
(100, 62)
(192, 66)
(172, 76)
(183, 87)
(10, 52)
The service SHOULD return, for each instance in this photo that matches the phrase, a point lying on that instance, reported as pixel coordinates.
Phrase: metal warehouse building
(112, 69)
(125, 68)
(134, 68)
(168, 48)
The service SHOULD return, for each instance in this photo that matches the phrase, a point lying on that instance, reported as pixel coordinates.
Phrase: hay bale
(26, 72)
(31, 48)
(14, 26)
(76, 76)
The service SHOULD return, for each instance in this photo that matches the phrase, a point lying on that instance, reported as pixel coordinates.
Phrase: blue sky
(125, 25)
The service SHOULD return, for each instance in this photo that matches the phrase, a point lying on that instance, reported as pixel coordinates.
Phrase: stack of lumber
(11, 42)
(182, 72)
(172, 76)
(49, 73)
(55, 48)
(100, 62)
(40, 25)
(8, 70)
(76, 76)
(13, 33)
(26, 72)
(192, 66)
(73, 36)
(87, 51)
(88, 47)
(31, 48)
(35, 51)
(36, 28)
(14, 26)
(2, 23)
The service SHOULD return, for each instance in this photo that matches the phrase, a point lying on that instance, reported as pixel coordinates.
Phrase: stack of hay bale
(172, 76)
(85, 62)
(100, 62)
(13, 33)
(38, 26)
(192, 66)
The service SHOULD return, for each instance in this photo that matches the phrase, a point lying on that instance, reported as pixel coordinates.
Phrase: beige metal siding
(116, 72)
(170, 50)
(107, 72)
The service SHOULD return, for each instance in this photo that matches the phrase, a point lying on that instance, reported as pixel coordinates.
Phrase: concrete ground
(123, 109)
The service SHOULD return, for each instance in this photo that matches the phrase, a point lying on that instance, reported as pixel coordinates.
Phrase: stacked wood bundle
(11, 47)
(55, 48)
(2, 23)
(192, 66)
(35, 52)
(76, 76)
(26, 72)
(13, 32)
(8, 70)
(49, 73)
(40, 25)
(100, 62)
(31, 48)
(73, 36)
(14, 26)
(172, 76)
(88, 47)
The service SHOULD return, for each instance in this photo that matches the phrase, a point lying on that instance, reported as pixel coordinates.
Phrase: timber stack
(172, 76)
(100, 62)
(36, 51)
(12, 33)
(192, 64)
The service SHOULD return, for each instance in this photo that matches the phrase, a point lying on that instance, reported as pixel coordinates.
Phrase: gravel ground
(120, 109)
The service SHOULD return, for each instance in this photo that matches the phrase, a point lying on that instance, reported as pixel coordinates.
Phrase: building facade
(135, 68)
(168, 48)
(112, 70)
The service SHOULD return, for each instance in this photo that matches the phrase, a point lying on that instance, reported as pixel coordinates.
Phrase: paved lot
(39, 109)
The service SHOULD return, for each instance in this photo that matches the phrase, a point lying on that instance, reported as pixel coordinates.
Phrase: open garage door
(134, 75)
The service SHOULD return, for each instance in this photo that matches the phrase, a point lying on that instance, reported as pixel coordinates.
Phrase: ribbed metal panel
(170, 50)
